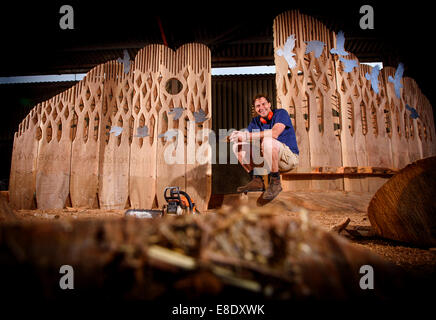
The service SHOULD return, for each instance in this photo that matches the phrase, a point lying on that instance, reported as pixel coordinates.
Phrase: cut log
(404, 208)
(242, 250)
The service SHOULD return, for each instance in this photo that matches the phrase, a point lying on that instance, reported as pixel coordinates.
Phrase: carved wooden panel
(411, 93)
(115, 137)
(85, 136)
(54, 151)
(183, 137)
(352, 134)
(378, 144)
(23, 165)
(142, 186)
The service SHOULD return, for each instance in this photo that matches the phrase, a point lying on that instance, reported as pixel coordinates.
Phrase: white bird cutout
(315, 46)
(116, 130)
(397, 80)
(177, 113)
(200, 116)
(286, 52)
(340, 42)
(125, 61)
(348, 64)
(373, 77)
(168, 135)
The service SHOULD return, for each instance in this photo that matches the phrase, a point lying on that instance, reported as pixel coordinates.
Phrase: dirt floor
(326, 208)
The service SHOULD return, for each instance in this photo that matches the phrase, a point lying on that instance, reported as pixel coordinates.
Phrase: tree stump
(404, 208)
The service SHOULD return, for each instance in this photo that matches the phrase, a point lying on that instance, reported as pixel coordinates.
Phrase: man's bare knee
(270, 142)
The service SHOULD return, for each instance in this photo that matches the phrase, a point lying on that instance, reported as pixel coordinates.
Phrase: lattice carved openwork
(336, 109)
(188, 148)
(309, 90)
(102, 142)
(54, 151)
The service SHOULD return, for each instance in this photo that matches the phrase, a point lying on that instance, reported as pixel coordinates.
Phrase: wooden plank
(428, 132)
(54, 152)
(171, 147)
(323, 112)
(115, 150)
(411, 92)
(400, 155)
(142, 186)
(85, 138)
(341, 171)
(291, 88)
(353, 144)
(22, 181)
(198, 168)
(425, 111)
(177, 164)
(378, 145)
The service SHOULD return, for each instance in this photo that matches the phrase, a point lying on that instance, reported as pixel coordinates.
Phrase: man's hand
(238, 136)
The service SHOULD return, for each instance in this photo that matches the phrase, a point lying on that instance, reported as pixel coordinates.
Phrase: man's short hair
(260, 95)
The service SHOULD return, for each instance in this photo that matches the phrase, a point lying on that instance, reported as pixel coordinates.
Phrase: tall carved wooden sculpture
(120, 136)
(345, 114)
(308, 92)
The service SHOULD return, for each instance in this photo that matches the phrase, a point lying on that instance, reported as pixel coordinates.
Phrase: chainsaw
(178, 203)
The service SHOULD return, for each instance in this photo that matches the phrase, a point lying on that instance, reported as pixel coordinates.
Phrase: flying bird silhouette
(373, 77)
(397, 80)
(349, 65)
(142, 132)
(177, 113)
(168, 135)
(200, 116)
(340, 41)
(125, 60)
(413, 113)
(315, 46)
(116, 130)
(286, 52)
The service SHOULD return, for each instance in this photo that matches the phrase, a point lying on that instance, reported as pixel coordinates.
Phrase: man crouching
(273, 130)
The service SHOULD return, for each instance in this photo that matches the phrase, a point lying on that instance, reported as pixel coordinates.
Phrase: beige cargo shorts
(287, 159)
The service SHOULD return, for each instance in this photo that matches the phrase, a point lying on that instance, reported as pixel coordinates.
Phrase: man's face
(262, 107)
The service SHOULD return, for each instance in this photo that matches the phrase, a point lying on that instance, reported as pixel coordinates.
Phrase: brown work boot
(256, 184)
(274, 188)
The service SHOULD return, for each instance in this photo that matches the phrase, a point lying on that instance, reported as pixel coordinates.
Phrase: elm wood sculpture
(80, 148)
(403, 209)
(340, 120)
